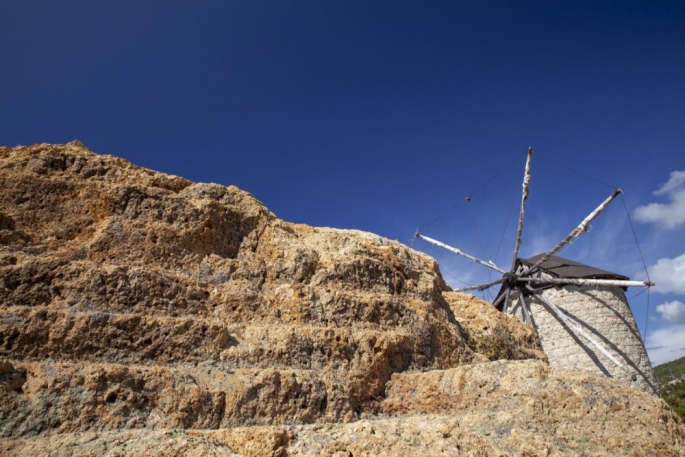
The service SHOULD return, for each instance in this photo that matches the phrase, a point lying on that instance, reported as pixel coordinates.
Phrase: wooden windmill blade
(575, 233)
(524, 198)
(588, 282)
(525, 308)
(509, 279)
(488, 264)
(480, 286)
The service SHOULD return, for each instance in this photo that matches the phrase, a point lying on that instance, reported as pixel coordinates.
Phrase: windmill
(535, 291)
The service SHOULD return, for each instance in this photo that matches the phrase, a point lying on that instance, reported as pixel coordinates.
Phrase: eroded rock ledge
(145, 314)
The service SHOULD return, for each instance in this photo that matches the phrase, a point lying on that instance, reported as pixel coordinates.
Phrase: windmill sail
(580, 312)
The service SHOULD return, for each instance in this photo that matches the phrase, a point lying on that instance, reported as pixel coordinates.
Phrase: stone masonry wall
(603, 313)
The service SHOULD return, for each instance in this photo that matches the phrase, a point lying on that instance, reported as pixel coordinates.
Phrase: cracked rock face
(141, 313)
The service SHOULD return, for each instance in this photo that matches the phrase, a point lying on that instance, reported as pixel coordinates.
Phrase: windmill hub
(511, 279)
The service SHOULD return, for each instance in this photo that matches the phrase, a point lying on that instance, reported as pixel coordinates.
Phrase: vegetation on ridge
(671, 377)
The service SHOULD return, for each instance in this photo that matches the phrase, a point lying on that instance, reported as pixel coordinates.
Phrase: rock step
(41, 279)
(32, 333)
(398, 436)
(514, 403)
(123, 443)
(229, 288)
(40, 332)
(545, 413)
(312, 347)
(97, 396)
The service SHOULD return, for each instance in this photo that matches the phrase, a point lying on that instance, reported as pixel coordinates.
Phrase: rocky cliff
(142, 314)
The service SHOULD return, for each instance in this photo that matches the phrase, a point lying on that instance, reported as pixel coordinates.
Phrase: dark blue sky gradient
(374, 115)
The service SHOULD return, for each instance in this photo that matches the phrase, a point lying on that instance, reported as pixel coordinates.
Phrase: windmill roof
(565, 268)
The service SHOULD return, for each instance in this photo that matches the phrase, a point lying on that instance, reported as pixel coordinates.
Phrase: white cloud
(666, 344)
(668, 215)
(668, 274)
(672, 311)
(675, 182)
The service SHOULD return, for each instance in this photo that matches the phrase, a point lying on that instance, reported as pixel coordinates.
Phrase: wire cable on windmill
(572, 306)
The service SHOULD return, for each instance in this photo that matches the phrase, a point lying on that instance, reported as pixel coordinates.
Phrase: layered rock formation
(142, 314)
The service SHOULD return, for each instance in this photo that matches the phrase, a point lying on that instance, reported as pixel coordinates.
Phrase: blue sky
(383, 115)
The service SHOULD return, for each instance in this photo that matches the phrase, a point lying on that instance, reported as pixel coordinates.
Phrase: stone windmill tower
(580, 312)
(583, 318)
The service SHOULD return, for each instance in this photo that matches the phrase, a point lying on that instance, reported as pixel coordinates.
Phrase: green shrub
(495, 345)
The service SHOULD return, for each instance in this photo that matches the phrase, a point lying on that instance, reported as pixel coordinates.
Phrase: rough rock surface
(142, 314)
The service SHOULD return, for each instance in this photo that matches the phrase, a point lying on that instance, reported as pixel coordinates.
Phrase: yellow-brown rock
(142, 314)
(492, 333)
